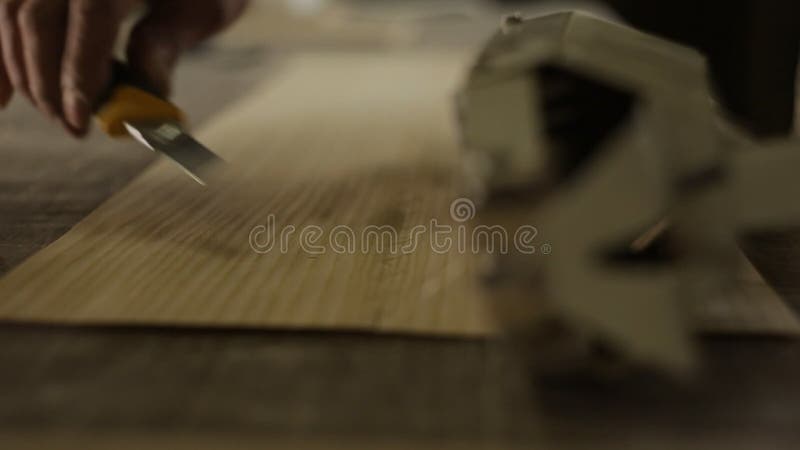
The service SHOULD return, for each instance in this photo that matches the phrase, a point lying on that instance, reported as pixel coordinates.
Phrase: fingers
(5, 84)
(57, 53)
(172, 27)
(42, 26)
(31, 37)
(92, 28)
(11, 42)
(153, 50)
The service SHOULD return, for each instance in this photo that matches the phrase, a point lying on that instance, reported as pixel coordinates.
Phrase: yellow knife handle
(130, 100)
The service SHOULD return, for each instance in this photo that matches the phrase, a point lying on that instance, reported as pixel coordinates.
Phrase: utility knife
(131, 108)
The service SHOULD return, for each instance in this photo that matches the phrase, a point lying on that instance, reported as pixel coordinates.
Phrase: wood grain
(340, 139)
(356, 140)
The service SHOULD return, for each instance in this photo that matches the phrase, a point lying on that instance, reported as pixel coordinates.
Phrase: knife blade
(170, 139)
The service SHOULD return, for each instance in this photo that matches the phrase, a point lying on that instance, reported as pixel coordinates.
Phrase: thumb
(152, 53)
(171, 27)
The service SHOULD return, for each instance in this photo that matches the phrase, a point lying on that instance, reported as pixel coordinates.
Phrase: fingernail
(76, 109)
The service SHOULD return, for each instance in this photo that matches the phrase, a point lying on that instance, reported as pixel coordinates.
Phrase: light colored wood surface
(338, 139)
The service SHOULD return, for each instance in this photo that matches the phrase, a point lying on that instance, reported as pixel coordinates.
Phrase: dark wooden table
(328, 386)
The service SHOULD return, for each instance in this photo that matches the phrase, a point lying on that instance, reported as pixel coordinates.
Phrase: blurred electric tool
(131, 108)
(594, 132)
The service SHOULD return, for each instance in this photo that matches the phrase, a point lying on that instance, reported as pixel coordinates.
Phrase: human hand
(57, 53)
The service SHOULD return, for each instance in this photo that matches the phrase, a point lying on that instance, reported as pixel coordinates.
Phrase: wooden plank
(361, 140)
(343, 139)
